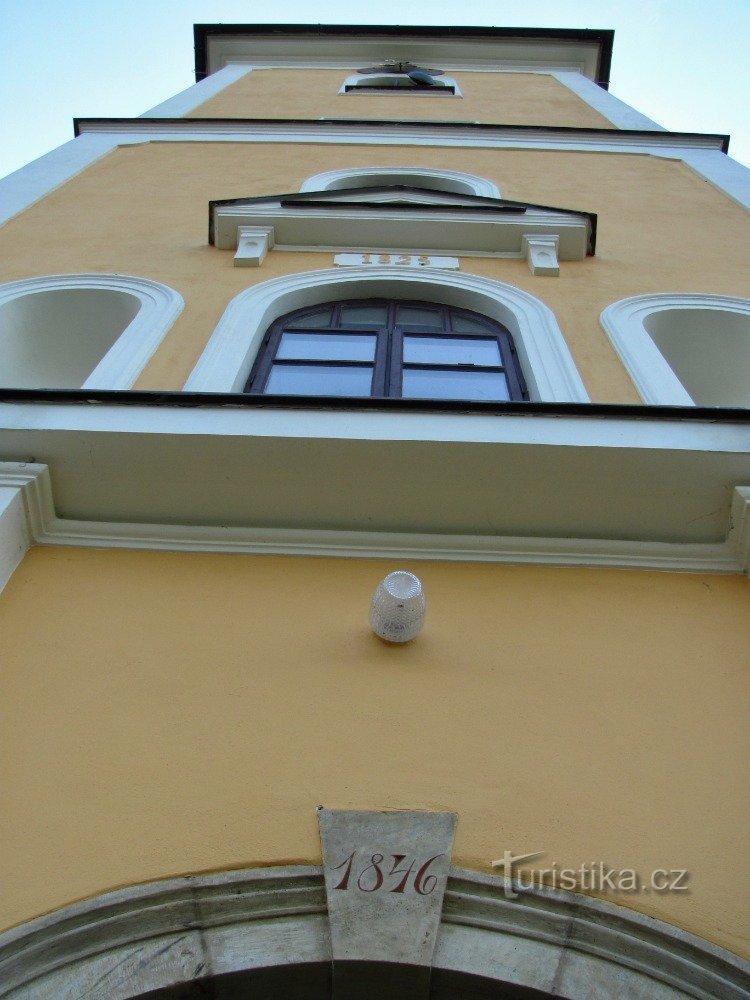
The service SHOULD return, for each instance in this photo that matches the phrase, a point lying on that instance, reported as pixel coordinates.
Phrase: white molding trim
(738, 538)
(652, 376)
(726, 174)
(458, 181)
(159, 308)
(702, 153)
(15, 538)
(191, 98)
(459, 134)
(26, 186)
(450, 52)
(21, 189)
(404, 228)
(25, 506)
(550, 372)
(621, 115)
(177, 931)
(28, 516)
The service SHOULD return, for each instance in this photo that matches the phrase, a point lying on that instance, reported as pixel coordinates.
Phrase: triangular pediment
(394, 194)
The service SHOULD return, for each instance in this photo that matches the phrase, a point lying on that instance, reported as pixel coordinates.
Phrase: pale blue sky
(681, 62)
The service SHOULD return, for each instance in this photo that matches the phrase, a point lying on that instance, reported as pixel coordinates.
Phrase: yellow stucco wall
(165, 713)
(500, 98)
(170, 713)
(661, 228)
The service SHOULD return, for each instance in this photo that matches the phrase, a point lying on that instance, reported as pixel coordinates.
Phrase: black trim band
(199, 400)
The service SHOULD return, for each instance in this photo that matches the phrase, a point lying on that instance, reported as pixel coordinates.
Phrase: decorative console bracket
(253, 244)
(541, 253)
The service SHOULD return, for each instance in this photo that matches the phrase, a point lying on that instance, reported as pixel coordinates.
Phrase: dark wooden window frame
(388, 365)
(373, 88)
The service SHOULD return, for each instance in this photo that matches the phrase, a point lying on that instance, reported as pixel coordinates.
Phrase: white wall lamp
(398, 607)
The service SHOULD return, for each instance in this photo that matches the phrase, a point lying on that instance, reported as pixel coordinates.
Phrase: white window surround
(437, 180)
(547, 364)
(157, 308)
(626, 323)
(359, 81)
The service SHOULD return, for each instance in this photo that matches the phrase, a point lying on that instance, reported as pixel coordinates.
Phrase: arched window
(405, 349)
(425, 177)
(548, 368)
(72, 331)
(684, 349)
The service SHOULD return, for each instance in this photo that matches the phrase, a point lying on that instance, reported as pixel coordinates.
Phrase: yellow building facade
(194, 518)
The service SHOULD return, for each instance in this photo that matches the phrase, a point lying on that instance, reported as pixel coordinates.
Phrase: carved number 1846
(376, 875)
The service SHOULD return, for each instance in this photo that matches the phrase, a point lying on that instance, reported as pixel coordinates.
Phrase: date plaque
(395, 260)
(385, 877)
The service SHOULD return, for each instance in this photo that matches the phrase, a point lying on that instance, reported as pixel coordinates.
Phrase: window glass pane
(319, 380)
(452, 351)
(374, 315)
(436, 384)
(313, 320)
(397, 83)
(465, 324)
(386, 82)
(422, 319)
(327, 346)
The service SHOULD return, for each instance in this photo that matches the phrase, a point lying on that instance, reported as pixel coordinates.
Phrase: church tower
(375, 532)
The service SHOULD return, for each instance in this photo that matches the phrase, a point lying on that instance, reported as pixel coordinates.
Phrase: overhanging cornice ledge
(401, 227)
(588, 51)
(339, 127)
(546, 490)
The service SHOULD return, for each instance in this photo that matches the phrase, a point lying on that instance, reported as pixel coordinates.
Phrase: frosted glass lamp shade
(397, 609)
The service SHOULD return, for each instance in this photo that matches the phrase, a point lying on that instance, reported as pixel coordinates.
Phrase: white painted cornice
(321, 130)
(427, 227)
(29, 514)
(450, 52)
(97, 138)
